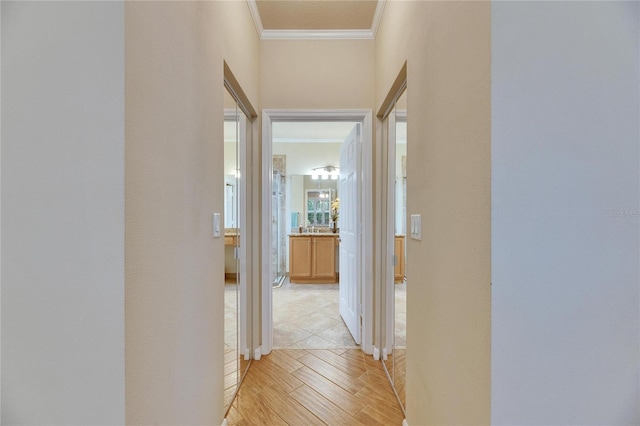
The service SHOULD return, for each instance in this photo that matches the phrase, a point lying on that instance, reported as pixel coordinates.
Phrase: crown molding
(368, 34)
(377, 17)
(317, 35)
(255, 14)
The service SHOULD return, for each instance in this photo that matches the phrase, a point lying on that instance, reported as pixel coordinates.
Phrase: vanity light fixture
(325, 172)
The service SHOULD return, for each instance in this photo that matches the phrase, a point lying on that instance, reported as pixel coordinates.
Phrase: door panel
(350, 285)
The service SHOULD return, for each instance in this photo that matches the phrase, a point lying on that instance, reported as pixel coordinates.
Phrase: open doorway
(301, 297)
(306, 236)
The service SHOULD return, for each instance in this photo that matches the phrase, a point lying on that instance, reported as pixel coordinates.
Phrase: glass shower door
(278, 229)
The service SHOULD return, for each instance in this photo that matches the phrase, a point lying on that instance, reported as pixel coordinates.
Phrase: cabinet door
(300, 257)
(324, 258)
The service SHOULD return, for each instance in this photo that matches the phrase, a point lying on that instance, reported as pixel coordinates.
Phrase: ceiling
(316, 19)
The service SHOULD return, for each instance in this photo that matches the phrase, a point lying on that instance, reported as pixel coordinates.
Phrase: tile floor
(307, 316)
(401, 315)
(230, 315)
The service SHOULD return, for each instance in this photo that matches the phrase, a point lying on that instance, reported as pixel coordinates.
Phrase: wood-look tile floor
(300, 387)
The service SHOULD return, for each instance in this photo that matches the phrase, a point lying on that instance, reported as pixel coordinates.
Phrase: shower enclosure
(278, 228)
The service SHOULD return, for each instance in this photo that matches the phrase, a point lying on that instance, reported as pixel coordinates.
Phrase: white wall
(565, 255)
(296, 200)
(316, 74)
(303, 157)
(446, 46)
(175, 55)
(62, 213)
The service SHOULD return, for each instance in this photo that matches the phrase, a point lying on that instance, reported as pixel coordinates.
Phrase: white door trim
(269, 116)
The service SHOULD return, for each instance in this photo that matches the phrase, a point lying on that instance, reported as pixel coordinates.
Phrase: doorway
(309, 222)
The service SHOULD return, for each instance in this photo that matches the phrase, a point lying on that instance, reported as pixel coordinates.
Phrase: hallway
(315, 387)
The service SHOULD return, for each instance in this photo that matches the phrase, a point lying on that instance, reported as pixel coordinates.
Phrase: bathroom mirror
(231, 261)
(400, 281)
(237, 131)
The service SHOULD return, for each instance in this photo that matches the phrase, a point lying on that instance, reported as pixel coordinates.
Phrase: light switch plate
(216, 225)
(416, 227)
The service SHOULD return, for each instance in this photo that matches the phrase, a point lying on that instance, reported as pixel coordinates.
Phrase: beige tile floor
(401, 315)
(307, 316)
(230, 315)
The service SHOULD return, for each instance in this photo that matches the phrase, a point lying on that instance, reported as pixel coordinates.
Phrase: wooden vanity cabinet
(312, 259)
(299, 258)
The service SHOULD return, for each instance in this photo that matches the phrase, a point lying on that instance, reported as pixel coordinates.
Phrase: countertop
(314, 234)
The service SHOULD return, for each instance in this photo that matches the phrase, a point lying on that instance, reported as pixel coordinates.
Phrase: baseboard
(376, 353)
(257, 354)
(404, 422)
(384, 354)
(246, 354)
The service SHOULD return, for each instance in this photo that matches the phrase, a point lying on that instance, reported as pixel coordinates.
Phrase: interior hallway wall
(447, 49)
(317, 74)
(63, 213)
(565, 243)
(174, 183)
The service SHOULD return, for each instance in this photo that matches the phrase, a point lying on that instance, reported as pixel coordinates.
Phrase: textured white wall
(62, 213)
(446, 45)
(317, 74)
(175, 54)
(565, 125)
(303, 157)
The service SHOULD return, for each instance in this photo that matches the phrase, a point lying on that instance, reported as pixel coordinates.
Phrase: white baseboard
(246, 354)
(257, 353)
(225, 422)
(384, 354)
(376, 353)
(404, 422)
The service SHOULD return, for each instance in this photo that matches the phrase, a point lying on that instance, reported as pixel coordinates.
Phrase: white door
(350, 288)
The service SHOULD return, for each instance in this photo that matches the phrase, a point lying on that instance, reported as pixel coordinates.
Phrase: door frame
(269, 116)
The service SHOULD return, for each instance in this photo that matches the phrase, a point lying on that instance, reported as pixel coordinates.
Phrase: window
(318, 207)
